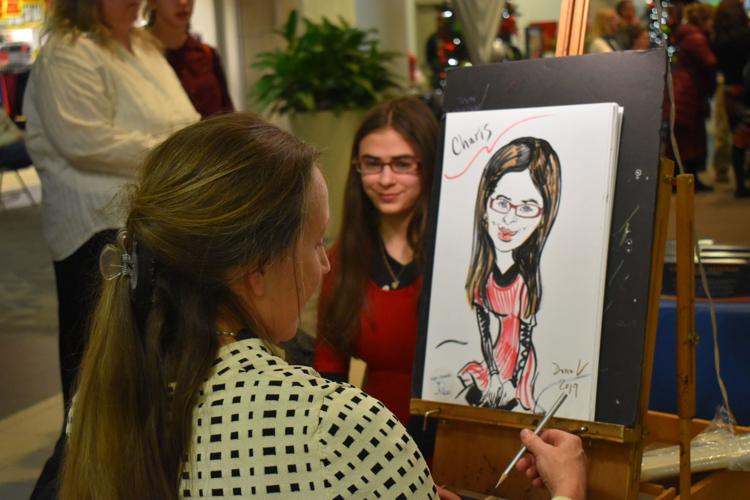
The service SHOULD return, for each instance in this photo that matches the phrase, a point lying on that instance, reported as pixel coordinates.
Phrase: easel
(474, 444)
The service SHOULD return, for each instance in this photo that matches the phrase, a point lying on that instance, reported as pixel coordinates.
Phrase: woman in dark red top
(694, 78)
(197, 65)
(368, 305)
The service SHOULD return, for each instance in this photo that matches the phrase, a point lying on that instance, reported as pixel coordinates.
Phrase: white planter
(332, 135)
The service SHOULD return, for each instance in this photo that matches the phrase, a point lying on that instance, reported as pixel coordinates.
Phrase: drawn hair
(538, 157)
(227, 192)
(359, 237)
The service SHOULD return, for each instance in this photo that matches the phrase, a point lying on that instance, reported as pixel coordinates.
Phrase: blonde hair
(223, 193)
(601, 24)
(74, 18)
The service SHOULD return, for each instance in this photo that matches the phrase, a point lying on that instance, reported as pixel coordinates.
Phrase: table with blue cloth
(733, 320)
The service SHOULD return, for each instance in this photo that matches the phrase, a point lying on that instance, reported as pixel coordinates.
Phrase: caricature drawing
(516, 205)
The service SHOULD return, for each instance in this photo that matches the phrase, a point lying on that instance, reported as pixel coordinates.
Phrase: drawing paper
(518, 278)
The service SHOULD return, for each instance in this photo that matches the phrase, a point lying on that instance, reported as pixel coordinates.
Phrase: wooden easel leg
(571, 29)
(685, 235)
(661, 221)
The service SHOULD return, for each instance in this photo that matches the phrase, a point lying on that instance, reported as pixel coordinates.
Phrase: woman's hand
(557, 461)
(446, 494)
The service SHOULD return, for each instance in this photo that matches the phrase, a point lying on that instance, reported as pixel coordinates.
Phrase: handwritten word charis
(461, 143)
(458, 144)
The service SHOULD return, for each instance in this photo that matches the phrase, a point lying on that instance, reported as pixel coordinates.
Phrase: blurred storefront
(21, 23)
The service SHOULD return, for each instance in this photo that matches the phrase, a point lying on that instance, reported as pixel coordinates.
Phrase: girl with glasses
(368, 304)
(516, 205)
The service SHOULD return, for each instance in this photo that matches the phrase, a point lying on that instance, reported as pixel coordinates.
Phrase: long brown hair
(359, 237)
(729, 18)
(538, 157)
(222, 193)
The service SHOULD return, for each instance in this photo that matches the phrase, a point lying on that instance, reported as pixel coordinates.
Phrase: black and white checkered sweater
(264, 428)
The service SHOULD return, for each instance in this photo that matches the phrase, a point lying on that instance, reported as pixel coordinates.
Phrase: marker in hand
(538, 430)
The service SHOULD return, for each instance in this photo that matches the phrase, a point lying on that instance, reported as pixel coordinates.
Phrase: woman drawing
(516, 205)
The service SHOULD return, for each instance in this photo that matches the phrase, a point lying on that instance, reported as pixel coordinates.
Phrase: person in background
(180, 395)
(629, 25)
(504, 48)
(444, 49)
(640, 39)
(731, 43)
(626, 12)
(197, 65)
(602, 36)
(368, 303)
(721, 136)
(100, 96)
(694, 80)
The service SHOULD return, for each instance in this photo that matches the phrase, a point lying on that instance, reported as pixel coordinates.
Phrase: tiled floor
(27, 439)
(30, 401)
(30, 404)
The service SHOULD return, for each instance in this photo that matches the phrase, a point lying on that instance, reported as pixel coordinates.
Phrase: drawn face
(514, 210)
(392, 194)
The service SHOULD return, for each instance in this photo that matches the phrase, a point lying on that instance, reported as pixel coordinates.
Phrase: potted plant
(328, 67)
(325, 78)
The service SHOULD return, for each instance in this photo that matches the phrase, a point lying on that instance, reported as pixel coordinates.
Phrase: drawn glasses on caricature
(526, 210)
(503, 283)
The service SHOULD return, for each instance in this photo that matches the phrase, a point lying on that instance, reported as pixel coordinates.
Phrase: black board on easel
(635, 80)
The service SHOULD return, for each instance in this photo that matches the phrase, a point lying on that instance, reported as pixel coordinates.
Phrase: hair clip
(115, 261)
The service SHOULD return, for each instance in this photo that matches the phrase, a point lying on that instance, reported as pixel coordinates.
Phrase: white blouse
(264, 428)
(93, 112)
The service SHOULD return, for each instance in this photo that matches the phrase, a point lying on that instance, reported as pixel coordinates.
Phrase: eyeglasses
(527, 210)
(370, 165)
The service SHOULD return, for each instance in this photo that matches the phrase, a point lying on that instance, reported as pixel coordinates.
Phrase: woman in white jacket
(100, 96)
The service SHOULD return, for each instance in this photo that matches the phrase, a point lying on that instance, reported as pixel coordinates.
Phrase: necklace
(395, 282)
(227, 334)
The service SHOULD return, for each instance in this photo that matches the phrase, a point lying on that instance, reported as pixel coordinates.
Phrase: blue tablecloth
(734, 343)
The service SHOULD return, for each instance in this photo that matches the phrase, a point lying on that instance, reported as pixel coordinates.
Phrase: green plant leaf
(289, 29)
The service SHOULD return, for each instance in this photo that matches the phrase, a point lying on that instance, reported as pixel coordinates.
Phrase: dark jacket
(732, 53)
(202, 76)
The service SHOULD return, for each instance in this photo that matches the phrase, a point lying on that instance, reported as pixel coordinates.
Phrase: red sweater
(202, 76)
(387, 343)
